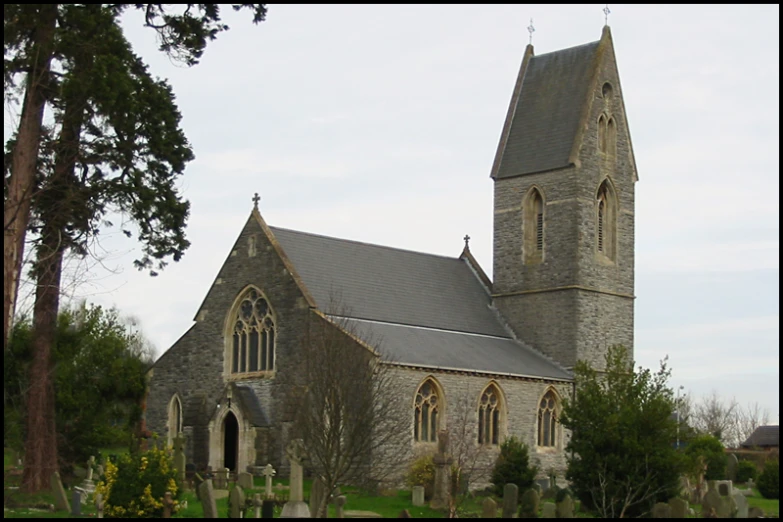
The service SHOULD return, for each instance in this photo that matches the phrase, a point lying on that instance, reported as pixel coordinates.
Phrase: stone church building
(562, 290)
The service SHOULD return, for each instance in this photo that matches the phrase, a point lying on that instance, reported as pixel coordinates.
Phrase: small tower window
(601, 212)
(533, 227)
(606, 221)
(606, 91)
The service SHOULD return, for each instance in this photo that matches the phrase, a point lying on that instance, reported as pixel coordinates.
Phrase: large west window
(253, 335)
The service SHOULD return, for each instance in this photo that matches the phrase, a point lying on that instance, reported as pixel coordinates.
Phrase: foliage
(621, 455)
(746, 470)
(135, 485)
(769, 481)
(709, 450)
(422, 473)
(99, 377)
(513, 467)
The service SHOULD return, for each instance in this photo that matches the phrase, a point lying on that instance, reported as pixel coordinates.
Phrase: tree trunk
(16, 211)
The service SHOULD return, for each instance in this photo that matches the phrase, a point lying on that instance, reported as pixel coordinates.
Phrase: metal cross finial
(606, 14)
(467, 240)
(256, 199)
(531, 30)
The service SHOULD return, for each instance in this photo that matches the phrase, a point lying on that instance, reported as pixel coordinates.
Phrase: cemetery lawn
(770, 506)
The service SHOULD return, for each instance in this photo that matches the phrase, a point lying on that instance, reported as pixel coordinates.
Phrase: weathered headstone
(528, 504)
(339, 506)
(237, 502)
(245, 480)
(543, 485)
(661, 510)
(442, 460)
(549, 510)
(295, 507)
(710, 502)
(76, 503)
(257, 505)
(99, 505)
(207, 496)
(268, 508)
(679, 507)
(731, 466)
(725, 487)
(221, 479)
(489, 508)
(418, 495)
(727, 508)
(510, 494)
(741, 503)
(317, 498)
(755, 512)
(168, 505)
(60, 500)
(565, 507)
(750, 484)
(179, 456)
(404, 514)
(268, 473)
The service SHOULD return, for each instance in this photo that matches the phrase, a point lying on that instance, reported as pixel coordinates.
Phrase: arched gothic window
(606, 220)
(175, 418)
(489, 415)
(611, 137)
(253, 335)
(602, 133)
(426, 413)
(533, 227)
(547, 420)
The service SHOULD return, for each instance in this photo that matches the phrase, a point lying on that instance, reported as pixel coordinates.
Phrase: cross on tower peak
(531, 30)
(256, 199)
(606, 14)
(467, 240)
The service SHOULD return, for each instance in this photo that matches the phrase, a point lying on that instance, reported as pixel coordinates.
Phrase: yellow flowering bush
(135, 485)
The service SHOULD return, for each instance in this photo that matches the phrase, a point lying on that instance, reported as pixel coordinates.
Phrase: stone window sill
(267, 374)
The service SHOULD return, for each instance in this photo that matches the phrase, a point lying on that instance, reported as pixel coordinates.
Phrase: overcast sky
(380, 124)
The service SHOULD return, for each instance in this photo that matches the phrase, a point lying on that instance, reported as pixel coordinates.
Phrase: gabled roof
(389, 284)
(546, 111)
(247, 395)
(764, 436)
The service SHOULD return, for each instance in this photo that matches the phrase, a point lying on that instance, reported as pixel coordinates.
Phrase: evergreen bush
(746, 470)
(769, 481)
(513, 467)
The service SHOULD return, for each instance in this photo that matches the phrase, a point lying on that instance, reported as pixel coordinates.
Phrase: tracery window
(426, 413)
(547, 420)
(489, 416)
(253, 339)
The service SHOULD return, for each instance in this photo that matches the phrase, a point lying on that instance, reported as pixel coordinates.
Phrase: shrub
(746, 470)
(513, 467)
(422, 473)
(134, 485)
(769, 481)
(709, 448)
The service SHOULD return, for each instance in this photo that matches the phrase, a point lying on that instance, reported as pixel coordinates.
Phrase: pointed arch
(533, 220)
(606, 220)
(174, 418)
(602, 131)
(491, 415)
(428, 410)
(250, 331)
(611, 137)
(547, 425)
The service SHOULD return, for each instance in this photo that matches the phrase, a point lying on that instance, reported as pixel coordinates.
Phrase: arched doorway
(230, 441)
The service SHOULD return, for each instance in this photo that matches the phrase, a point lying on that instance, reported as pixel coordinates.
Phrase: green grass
(771, 506)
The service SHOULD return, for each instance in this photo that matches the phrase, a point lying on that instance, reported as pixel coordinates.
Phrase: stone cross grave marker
(418, 495)
(339, 506)
(268, 473)
(207, 496)
(510, 495)
(489, 508)
(60, 500)
(295, 507)
(442, 461)
(237, 502)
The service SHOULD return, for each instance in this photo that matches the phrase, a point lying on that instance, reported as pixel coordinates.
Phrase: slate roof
(424, 309)
(764, 437)
(546, 119)
(389, 284)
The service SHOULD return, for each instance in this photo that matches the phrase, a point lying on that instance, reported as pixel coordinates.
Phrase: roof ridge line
(420, 327)
(567, 48)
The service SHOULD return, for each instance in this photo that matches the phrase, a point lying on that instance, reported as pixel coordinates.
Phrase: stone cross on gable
(606, 14)
(531, 30)
(467, 240)
(256, 199)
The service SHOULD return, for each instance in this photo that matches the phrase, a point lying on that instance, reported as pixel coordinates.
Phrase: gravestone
(679, 507)
(727, 508)
(710, 502)
(245, 480)
(661, 510)
(489, 508)
(339, 506)
(565, 508)
(549, 510)
(755, 512)
(510, 493)
(237, 502)
(207, 496)
(731, 466)
(528, 504)
(317, 498)
(268, 473)
(725, 487)
(60, 500)
(179, 456)
(257, 505)
(442, 461)
(76, 503)
(99, 505)
(268, 508)
(221, 479)
(741, 503)
(418, 496)
(168, 505)
(295, 507)
(750, 484)
(543, 485)
(88, 484)
(404, 514)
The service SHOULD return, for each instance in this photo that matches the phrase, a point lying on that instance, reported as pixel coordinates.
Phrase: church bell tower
(564, 177)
